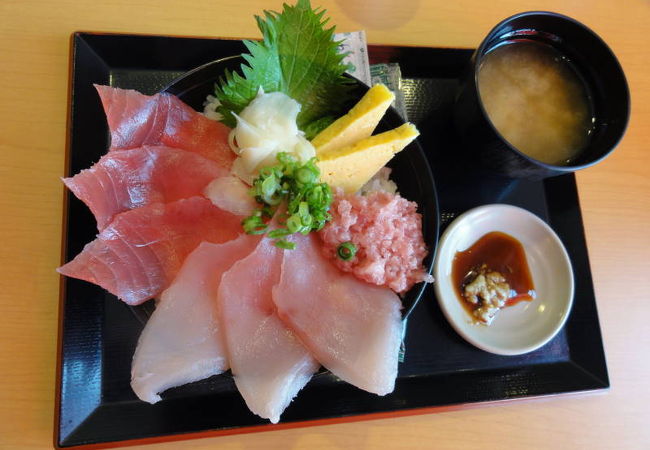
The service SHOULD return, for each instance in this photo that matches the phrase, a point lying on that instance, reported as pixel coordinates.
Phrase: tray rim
(599, 385)
(81, 32)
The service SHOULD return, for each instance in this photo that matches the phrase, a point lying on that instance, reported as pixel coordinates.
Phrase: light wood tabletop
(614, 196)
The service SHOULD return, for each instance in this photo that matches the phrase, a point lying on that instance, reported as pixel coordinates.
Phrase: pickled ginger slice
(135, 119)
(138, 255)
(269, 363)
(231, 194)
(129, 179)
(351, 327)
(182, 343)
(266, 127)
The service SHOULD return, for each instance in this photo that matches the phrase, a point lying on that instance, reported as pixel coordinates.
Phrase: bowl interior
(525, 326)
(410, 169)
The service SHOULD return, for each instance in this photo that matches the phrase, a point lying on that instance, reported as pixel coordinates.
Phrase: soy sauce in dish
(500, 258)
(536, 99)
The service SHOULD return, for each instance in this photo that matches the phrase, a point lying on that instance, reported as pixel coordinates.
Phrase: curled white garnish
(210, 106)
(264, 128)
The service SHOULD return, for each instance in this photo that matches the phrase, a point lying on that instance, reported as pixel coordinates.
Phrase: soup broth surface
(536, 100)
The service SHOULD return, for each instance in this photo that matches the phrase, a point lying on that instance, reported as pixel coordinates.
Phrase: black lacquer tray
(95, 405)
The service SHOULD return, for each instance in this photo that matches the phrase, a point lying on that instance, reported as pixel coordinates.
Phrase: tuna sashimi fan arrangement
(266, 227)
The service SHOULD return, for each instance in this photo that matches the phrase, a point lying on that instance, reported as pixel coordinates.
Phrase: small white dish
(523, 327)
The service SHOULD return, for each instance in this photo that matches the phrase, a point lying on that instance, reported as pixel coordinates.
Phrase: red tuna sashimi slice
(135, 119)
(140, 252)
(182, 341)
(268, 362)
(129, 179)
(352, 328)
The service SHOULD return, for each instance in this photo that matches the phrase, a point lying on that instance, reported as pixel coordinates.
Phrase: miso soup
(537, 101)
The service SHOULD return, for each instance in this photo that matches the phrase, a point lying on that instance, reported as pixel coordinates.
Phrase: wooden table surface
(615, 200)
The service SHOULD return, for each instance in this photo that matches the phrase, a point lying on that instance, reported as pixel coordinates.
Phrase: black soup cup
(596, 65)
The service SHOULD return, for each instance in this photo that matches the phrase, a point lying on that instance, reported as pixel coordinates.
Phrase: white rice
(210, 106)
(380, 182)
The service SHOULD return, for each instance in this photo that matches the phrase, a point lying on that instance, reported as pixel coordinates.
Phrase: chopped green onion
(253, 225)
(270, 185)
(283, 243)
(266, 172)
(267, 211)
(306, 223)
(305, 175)
(346, 251)
(278, 233)
(286, 158)
(294, 224)
(308, 201)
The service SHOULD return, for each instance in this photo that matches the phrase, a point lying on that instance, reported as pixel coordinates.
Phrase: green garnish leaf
(298, 57)
(313, 128)
(308, 201)
(346, 251)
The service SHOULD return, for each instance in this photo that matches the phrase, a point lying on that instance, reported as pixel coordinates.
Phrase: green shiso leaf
(298, 57)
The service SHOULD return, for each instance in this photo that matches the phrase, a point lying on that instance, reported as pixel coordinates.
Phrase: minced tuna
(387, 232)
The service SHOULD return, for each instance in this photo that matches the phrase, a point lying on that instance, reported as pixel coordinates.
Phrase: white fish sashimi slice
(268, 362)
(351, 327)
(182, 342)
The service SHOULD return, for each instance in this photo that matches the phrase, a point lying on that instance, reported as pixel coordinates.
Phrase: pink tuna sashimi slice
(129, 179)
(268, 362)
(352, 328)
(135, 119)
(140, 252)
(182, 341)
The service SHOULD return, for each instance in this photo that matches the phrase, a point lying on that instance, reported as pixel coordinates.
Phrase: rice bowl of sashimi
(410, 168)
(223, 285)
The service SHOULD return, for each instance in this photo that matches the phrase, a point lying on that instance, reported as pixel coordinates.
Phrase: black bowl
(596, 65)
(410, 169)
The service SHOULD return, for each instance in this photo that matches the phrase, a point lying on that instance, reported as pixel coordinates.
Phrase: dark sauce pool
(502, 253)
